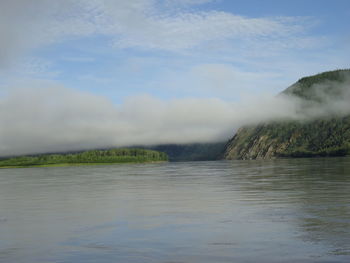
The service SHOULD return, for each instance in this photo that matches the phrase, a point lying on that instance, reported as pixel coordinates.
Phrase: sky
(99, 73)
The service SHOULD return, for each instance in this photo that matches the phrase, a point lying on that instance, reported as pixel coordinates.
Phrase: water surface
(295, 210)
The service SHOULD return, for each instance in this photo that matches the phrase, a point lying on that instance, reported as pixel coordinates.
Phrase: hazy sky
(76, 73)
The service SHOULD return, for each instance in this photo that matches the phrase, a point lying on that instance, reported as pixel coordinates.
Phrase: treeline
(192, 151)
(87, 157)
(322, 137)
(329, 152)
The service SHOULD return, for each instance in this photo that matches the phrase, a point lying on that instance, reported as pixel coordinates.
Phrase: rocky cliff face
(326, 136)
(254, 143)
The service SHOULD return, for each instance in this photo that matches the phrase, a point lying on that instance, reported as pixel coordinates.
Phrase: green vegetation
(324, 84)
(93, 157)
(326, 136)
(193, 151)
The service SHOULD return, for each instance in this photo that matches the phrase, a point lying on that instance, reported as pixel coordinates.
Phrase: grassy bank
(95, 157)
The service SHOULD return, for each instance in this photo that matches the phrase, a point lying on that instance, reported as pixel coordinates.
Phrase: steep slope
(191, 152)
(323, 135)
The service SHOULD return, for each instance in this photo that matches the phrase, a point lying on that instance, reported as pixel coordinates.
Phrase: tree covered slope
(321, 135)
(192, 152)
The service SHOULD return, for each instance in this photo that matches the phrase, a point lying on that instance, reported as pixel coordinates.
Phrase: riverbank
(95, 157)
(78, 164)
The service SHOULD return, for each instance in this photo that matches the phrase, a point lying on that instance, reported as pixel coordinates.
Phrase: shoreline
(75, 164)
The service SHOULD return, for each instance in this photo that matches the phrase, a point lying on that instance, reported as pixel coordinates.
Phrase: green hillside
(192, 151)
(307, 88)
(111, 156)
(326, 136)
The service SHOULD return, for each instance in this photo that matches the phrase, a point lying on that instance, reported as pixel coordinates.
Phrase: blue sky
(170, 51)
(253, 46)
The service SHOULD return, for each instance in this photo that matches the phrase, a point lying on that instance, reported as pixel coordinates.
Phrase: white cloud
(78, 59)
(225, 78)
(252, 44)
(47, 117)
(188, 30)
(138, 23)
(187, 2)
(221, 80)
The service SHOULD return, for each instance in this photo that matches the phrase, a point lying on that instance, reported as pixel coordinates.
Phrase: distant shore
(75, 164)
(93, 157)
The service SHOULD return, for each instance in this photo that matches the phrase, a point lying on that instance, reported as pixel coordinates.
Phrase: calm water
(243, 211)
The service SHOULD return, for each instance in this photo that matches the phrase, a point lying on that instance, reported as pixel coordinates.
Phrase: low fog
(54, 118)
(331, 98)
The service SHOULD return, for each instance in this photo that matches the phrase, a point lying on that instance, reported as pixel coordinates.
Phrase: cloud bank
(47, 117)
(54, 118)
(60, 119)
(143, 24)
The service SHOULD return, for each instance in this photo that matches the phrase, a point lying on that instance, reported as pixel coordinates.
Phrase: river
(290, 210)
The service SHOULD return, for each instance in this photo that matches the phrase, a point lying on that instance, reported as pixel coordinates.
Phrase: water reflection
(275, 211)
(318, 190)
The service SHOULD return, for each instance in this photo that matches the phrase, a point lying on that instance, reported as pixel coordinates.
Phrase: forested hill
(192, 151)
(87, 157)
(326, 135)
